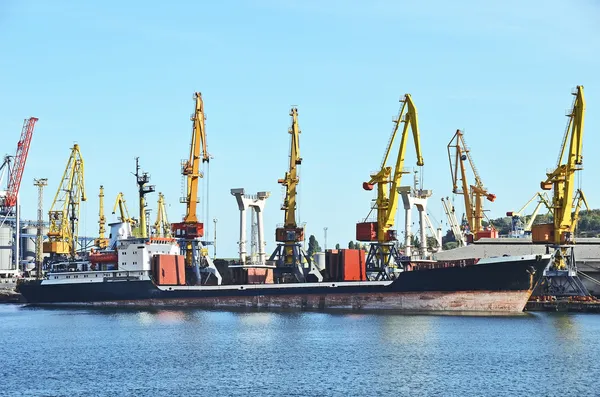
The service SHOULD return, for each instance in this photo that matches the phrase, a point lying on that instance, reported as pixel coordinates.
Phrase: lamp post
(325, 232)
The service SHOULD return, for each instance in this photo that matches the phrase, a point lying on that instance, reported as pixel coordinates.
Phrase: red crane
(16, 173)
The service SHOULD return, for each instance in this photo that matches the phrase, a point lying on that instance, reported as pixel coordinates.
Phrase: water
(77, 352)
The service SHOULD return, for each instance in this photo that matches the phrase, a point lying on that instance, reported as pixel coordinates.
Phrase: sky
(118, 79)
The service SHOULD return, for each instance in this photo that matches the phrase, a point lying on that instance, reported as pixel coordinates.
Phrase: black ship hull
(503, 285)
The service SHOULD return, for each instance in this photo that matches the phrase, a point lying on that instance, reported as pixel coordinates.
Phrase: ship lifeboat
(103, 257)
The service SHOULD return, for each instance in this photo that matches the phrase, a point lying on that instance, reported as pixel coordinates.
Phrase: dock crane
(191, 229)
(517, 227)
(101, 242)
(561, 278)
(383, 254)
(459, 236)
(123, 211)
(458, 155)
(15, 173)
(162, 227)
(289, 256)
(64, 212)
(13, 167)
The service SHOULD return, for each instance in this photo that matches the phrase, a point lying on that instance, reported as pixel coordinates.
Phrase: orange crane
(473, 194)
(192, 229)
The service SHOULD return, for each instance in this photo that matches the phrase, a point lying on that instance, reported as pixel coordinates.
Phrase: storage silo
(320, 260)
(28, 243)
(6, 262)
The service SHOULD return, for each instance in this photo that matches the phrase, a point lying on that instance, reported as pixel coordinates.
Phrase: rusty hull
(475, 301)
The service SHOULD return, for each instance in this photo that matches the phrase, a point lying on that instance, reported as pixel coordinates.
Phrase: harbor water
(89, 352)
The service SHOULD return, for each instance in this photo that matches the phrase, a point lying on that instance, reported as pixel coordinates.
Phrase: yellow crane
(382, 251)
(290, 232)
(162, 227)
(64, 212)
(566, 200)
(101, 242)
(289, 256)
(517, 227)
(123, 212)
(474, 194)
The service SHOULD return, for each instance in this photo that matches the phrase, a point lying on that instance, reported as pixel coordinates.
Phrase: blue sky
(118, 78)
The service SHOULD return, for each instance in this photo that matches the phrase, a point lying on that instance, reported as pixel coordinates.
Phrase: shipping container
(542, 233)
(346, 265)
(168, 269)
(353, 265)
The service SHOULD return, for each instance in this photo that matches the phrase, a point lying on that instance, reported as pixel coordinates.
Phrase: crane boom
(123, 211)
(101, 242)
(162, 228)
(454, 225)
(562, 179)
(291, 180)
(473, 194)
(290, 232)
(16, 175)
(198, 152)
(543, 199)
(64, 212)
(387, 184)
(577, 201)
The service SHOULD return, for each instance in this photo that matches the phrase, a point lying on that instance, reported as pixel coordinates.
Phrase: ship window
(55, 276)
(85, 275)
(124, 252)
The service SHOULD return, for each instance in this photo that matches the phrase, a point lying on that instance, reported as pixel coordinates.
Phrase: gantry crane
(15, 173)
(383, 254)
(517, 227)
(101, 242)
(473, 195)
(566, 199)
(289, 256)
(162, 227)
(191, 229)
(64, 213)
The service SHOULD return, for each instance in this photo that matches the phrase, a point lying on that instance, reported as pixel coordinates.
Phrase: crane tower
(291, 262)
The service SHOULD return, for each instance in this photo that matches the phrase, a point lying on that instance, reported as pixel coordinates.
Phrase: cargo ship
(151, 272)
